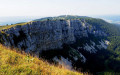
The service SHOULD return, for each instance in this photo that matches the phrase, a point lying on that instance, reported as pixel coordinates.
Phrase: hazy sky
(59, 7)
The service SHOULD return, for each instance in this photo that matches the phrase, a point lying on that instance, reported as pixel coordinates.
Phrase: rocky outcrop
(93, 47)
(45, 35)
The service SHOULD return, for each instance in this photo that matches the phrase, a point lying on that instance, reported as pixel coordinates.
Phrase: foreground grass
(15, 63)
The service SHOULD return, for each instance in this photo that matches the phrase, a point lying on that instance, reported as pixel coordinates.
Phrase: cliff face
(46, 35)
(72, 40)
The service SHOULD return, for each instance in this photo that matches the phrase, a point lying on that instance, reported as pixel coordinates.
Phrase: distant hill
(110, 18)
(17, 19)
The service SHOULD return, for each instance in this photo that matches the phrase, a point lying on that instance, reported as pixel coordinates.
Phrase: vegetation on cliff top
(10, 26)
(45, 19)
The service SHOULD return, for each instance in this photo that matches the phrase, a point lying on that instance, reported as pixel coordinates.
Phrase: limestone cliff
(46, 35)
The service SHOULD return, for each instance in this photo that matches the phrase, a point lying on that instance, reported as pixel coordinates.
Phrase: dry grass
(10, 26)
(15, 63)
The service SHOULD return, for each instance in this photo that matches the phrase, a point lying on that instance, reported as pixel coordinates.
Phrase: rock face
(45, 35)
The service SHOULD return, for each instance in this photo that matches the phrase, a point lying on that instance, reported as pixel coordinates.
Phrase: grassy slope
(15, 63)
(10, 26)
